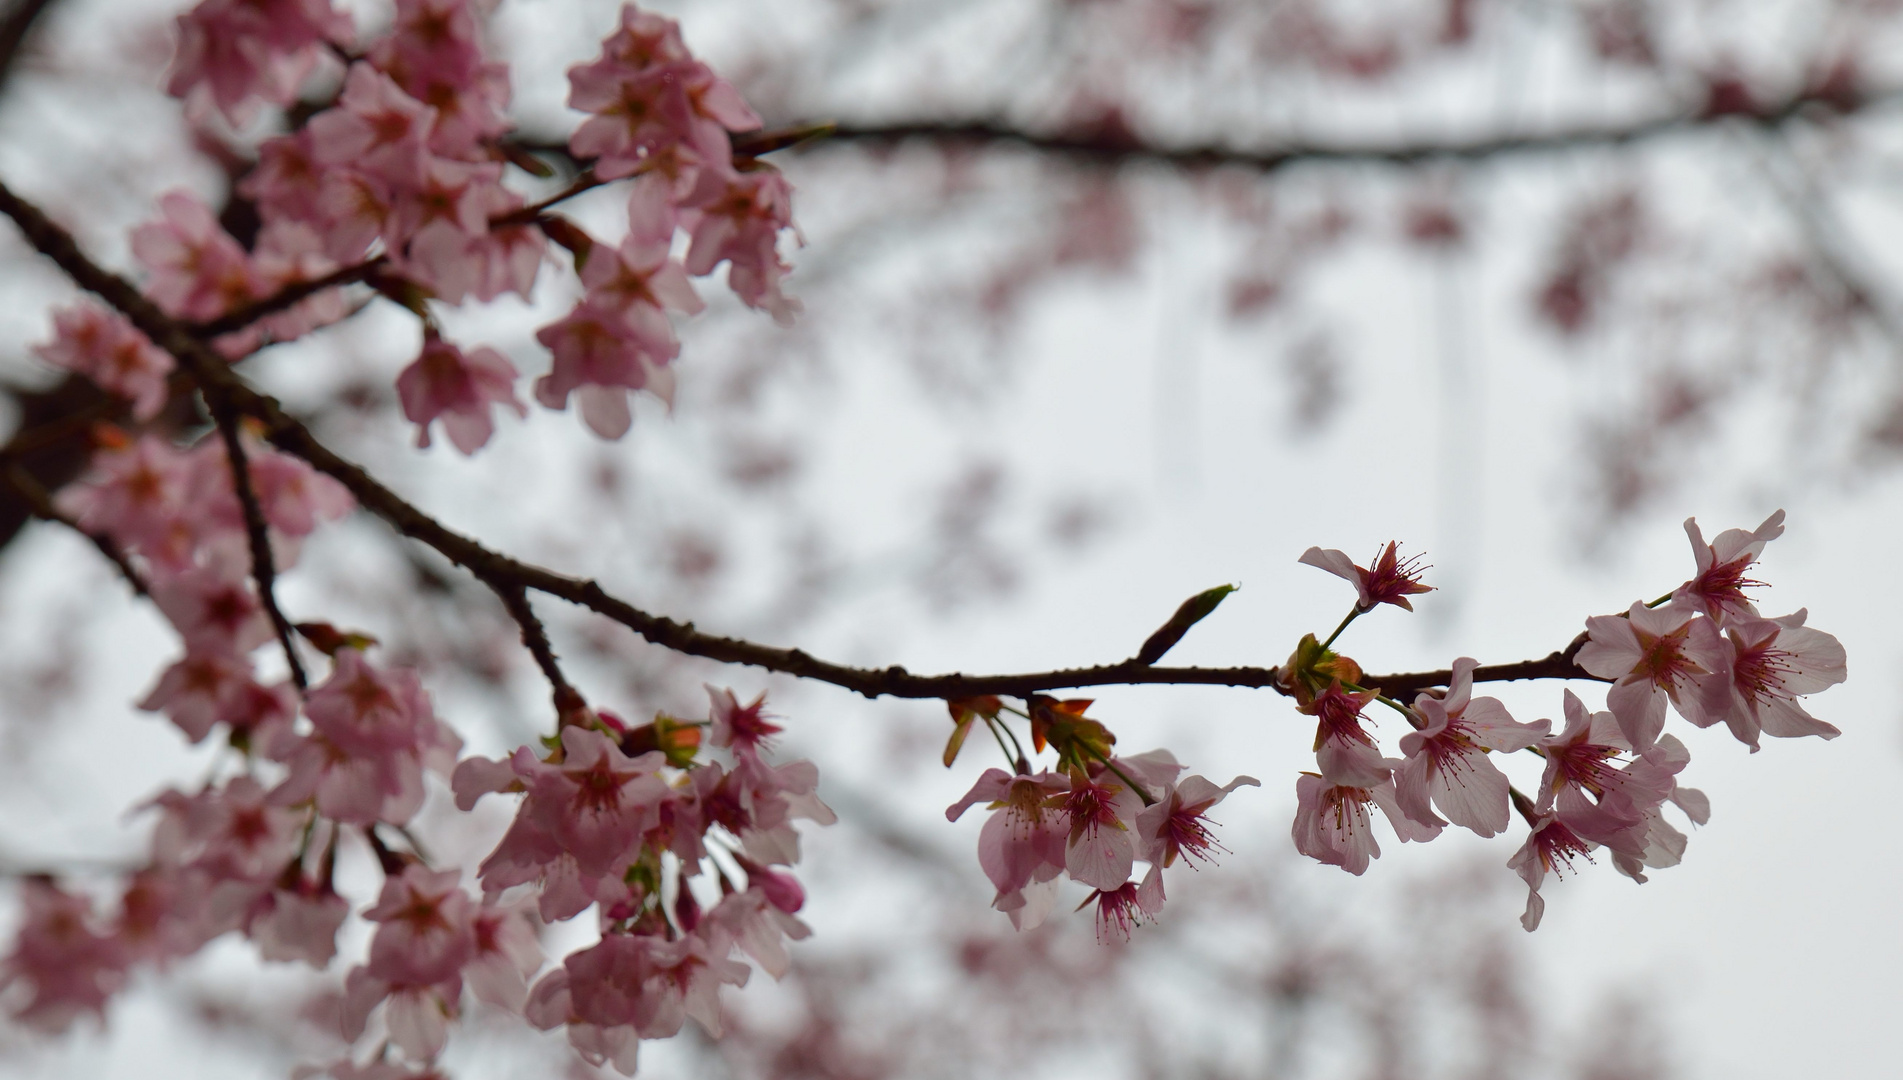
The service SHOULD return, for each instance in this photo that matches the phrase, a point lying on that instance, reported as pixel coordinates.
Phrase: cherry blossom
(72, 967)
(1551, 847)
(373, 736)
(213, 611)
(1344, 750)
(1717, 589)
(1655, 655)
(101, 345)
(208, 688)
(1447, 762)
(376, 129)
(137, 494)
(743, 727)
(741, 226)
(1023, 842)
(1121, 908)
(1334, 823)
(1178, 825)
(1773, 662)
(1100, 848)
(198, 270)
(459, 388)
(236, 50)
(1391, 581)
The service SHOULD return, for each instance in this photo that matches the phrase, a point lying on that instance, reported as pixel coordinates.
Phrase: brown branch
(1116, 146)
(41, 502)
(507, 576)
(289, 296)
(257, 530)
(568, 700)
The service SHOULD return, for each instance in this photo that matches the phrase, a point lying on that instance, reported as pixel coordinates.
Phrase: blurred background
(1107, 302)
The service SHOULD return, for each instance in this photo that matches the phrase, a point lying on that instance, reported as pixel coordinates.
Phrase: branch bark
(509, 577)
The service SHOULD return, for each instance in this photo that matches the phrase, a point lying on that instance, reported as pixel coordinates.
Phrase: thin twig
(257, 530)
(535, 638)
(504, 574)
(41, 502)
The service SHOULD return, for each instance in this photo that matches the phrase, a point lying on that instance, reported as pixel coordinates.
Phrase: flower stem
(1353, 614)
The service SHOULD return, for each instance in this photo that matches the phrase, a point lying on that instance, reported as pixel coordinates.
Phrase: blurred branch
(508, 577)
(257, 533)
(1117, 145)
(14, 28)
(41, 502)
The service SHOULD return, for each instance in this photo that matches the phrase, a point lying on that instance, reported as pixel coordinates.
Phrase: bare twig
(506, 575)
(257, 530)
(535, 638)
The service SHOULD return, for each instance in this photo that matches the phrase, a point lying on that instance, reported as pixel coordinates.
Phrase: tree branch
(257, 530)
(535, 638)
(509, 577)
(40, 501)
(1116, 146)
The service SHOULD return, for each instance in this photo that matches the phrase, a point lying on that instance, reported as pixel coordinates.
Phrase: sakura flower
(459, 388)
(1344, 750)
(433, 52)
(1121, 908)
(198, 270)
(1023, 841)
(237, 50)
(136, 494)
(1550, 847)
(1100, 849)
(1391, 581)
(505, 955)
(1178, 823)
(213, 612)
(597, 353)
(1335, 825)
(207, 688)
(1717, 589)
(101, 345)
(741, 727)
(741, 226)
(287, 181)
(374, 735)
(1446, 758)
(756, 926)
(376, 129)
(293, 496)
(1773, 662)
(1655, 655)
(1602, 802)
(71, 966)
(299, 922)
(631, 986)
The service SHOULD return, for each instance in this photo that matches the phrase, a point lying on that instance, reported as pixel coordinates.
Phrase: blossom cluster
(1702, 650)
(1092, 819)
(404, 180)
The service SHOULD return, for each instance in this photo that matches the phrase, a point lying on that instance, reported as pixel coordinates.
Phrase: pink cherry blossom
(1122, 908)
(1391, 581)
(740, 726)
(239, 50)
(1100, 848)
(756, 926)
(72, 967)
(287, 181)
(1334, 824)
(204, 689)
(1717, 589)
(1447, 764)
(1178, 825)
(137, 495)
(375, 129)
(629, 987)
(1773, 662)
(506, 954)
(1023, 841)
(596, 351)
(198, 270)
(1598, 800)
(374, 734)
(1654, 655)
(741, 226)
(298, 923)
(459, 388)
(1344, 751)
(1550, 847)
(101, 345)
(214, 612)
